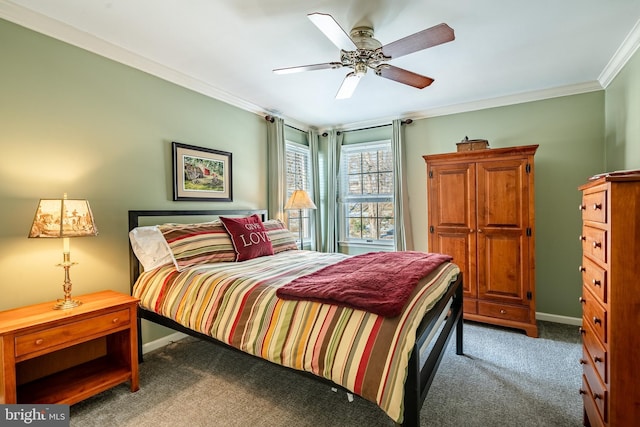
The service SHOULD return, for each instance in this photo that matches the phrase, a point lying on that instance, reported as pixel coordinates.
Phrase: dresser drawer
(597, 390)
(503, 311)
(594, 278)
(595, 419)
(595, 354)
(594, 206)
(43, 340)
(594, 243)
(594, 316)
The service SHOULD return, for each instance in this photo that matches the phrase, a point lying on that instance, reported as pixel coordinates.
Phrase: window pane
(386, 183)
(355, 185)
(355, 228)
(370, 183)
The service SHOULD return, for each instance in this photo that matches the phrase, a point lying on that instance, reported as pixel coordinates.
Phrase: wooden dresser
(481, 212)
(611, 300)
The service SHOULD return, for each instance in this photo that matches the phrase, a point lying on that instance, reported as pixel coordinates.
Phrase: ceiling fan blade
(332, 30)
(424, 39)
(349, 85)
(403, 76)
(313, 67)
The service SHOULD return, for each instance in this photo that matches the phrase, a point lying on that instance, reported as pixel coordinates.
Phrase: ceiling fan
(360, 51)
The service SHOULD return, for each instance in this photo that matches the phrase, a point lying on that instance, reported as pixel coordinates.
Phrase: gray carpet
(504, 379)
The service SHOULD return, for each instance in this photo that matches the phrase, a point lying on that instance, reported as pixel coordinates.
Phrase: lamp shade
(299, 200)
(63, 218)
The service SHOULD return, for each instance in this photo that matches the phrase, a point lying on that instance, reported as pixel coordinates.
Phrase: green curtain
(403, 237)
(315, 215)
(277, 186)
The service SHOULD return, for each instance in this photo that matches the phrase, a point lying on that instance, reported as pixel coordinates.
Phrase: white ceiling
(505, 51)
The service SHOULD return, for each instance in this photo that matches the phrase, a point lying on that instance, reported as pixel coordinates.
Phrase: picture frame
(201, 174)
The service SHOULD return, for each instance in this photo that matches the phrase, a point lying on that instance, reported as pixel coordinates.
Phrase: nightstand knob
(581, 207)
(597, 206)
(581, 269)
(503, 311)
(582, 238)
(39, 341)
(597, 244)
(582, 300)
(116, 320)
(596, 282)
(596, 321)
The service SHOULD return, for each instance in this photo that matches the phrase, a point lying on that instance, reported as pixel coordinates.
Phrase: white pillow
(150, 247)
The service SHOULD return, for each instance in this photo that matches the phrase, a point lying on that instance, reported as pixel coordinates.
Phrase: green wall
(75, 122)
(622, 109)
(569, 131)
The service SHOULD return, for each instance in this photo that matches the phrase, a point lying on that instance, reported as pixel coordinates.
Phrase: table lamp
(300, 200)
(64, 218)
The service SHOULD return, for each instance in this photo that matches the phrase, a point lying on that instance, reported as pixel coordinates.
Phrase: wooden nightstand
(65, 356)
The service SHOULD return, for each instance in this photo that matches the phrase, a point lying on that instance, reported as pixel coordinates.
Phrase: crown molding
(620, 58)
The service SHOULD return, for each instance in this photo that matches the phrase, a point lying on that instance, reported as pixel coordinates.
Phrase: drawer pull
(581, 269)
(503, 311)
(583, 391)
(581, 207)
(597, 244)
(582, 300)
(582, 330)
(596, 320)
(39, 341)
(583, 362)
(597, 206)
(596, 282)
(116, 320)
(597, 396)
(582, 238)
(597, 359)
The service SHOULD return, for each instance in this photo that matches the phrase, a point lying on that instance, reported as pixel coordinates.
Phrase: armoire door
(452, 221)
(502, 232)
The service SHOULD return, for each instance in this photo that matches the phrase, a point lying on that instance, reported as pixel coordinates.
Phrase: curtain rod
(271, 119)
(404, 122)
(325, 134)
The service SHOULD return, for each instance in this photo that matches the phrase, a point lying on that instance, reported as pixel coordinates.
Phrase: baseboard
(161, 342)
(559, 319)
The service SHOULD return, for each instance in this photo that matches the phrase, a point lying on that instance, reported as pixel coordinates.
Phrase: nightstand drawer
(73, 331)
(503, 311)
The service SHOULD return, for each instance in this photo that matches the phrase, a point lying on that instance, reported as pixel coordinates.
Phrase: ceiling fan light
(348, 86)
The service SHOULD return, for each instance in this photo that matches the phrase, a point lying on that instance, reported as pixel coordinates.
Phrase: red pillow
(249, 237)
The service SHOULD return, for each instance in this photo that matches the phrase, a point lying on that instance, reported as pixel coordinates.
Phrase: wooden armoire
(481, 212)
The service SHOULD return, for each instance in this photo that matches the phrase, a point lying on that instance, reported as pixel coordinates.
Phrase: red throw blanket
(378, 282)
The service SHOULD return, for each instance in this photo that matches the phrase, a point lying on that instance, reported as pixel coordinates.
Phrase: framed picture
(201, 173)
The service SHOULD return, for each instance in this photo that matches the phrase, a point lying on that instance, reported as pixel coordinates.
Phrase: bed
(389, 358)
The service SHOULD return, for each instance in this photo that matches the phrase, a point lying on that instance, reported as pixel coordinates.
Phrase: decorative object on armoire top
(472, 144)
(481, 212)
(300, 201)
(64, 218)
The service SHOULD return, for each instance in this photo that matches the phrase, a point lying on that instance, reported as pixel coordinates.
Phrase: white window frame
(299, 183)
(345, 199)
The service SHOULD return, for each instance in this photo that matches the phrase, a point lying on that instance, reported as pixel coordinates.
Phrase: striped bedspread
(236, 303)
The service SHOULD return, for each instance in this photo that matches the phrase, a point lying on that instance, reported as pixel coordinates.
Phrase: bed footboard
(421, 373)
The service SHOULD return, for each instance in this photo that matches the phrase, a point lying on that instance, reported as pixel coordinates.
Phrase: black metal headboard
(135, 216)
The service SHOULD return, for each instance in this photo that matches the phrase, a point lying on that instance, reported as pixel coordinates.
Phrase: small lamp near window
(64, 218)
(300, 200)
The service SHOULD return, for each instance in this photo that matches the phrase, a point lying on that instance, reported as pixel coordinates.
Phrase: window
(298, 178)
(366, 189)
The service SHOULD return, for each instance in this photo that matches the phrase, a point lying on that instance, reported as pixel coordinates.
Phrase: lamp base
(64, 304)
